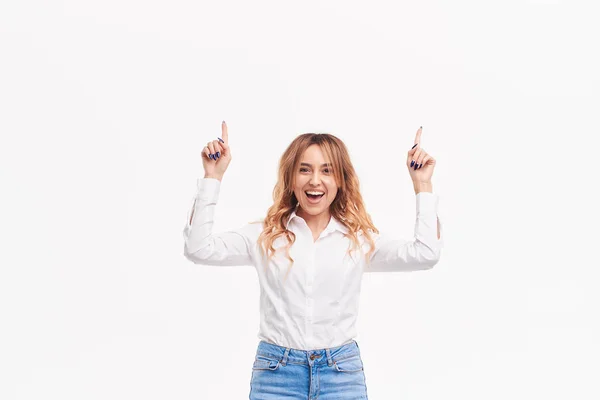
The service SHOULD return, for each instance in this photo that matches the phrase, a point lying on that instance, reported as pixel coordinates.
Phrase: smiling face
(314, 175)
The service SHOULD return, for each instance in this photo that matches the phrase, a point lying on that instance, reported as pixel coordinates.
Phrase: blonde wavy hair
(348, 206)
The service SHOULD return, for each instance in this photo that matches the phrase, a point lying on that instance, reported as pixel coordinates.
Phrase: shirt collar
(333, 225)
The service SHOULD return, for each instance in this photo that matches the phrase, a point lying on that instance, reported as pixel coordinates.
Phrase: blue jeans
(327, 374)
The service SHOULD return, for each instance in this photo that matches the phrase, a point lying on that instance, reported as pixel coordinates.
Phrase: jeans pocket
(350, 364)
(263, 362)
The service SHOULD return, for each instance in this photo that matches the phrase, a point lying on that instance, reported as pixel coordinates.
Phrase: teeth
(315, 193)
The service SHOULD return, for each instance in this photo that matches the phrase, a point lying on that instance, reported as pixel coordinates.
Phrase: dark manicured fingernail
(414, 146)
(416, 166)
(222, 141)
(420, 165)
(412, 163)
(211, 156)
(218, 154)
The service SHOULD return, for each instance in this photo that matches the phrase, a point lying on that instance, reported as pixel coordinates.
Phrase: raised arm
(201, 246)
(424, 251)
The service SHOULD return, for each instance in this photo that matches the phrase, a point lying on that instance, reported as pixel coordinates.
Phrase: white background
(106, 105)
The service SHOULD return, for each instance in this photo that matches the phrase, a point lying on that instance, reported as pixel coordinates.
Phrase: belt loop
(329, 359)
(285, 356)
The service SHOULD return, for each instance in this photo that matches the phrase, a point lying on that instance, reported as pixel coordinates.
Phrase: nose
(315, 179)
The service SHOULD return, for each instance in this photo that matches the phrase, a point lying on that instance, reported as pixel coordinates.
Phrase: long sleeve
(201, 246)
(392, 254)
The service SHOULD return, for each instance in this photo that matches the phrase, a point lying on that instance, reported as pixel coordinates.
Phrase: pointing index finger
(418, 136)
(224, 133)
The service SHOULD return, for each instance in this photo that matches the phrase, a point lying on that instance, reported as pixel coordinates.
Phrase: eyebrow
(322, 165)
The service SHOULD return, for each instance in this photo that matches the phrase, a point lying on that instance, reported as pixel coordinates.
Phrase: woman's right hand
(216, 166)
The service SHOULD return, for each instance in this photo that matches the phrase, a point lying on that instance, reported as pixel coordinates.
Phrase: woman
(310, 252)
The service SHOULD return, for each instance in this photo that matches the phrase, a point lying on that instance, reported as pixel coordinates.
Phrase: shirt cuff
(208, 189)
(427, 203)
(429, 214)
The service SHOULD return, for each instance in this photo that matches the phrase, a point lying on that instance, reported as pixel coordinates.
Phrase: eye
(303, 169)
(327, 169)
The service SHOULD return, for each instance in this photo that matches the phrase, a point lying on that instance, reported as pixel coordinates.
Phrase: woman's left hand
(420, 164)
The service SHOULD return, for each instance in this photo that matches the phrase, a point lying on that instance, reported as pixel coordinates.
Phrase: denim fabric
(325, 374)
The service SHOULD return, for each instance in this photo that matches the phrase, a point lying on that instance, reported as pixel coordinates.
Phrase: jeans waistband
(318, 356)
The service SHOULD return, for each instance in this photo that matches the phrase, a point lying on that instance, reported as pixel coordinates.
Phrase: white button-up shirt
(316, 306)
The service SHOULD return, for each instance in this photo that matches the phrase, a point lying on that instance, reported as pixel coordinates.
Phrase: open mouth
(314, 198)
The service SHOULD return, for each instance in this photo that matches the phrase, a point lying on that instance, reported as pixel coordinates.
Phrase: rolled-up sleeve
(201, 246)
(393, 254)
